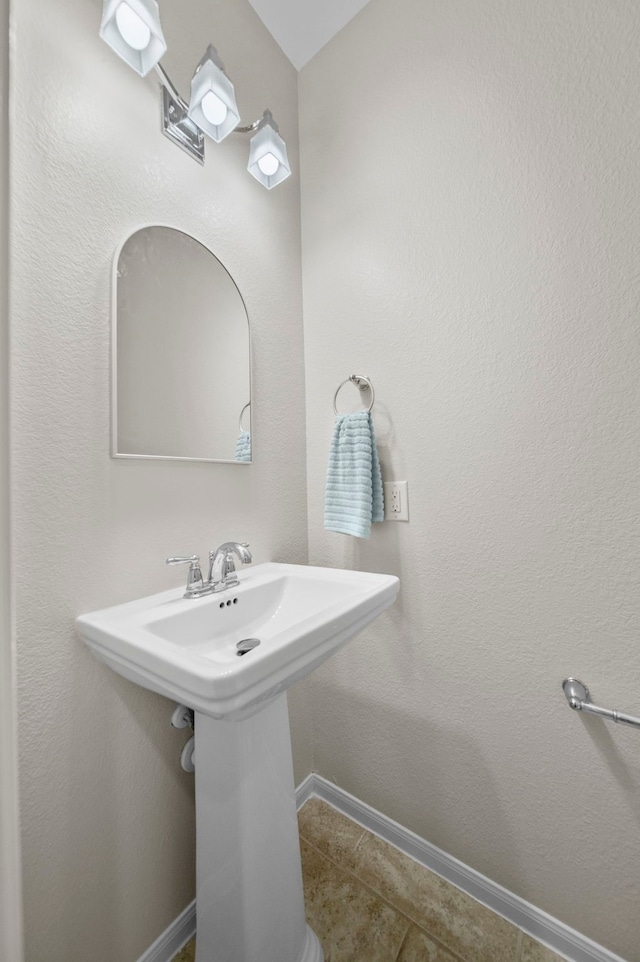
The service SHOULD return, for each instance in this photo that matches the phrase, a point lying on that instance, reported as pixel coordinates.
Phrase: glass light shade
(212, 105)
(268, 164)
(132, 29)
(213, 108)
(268, 160)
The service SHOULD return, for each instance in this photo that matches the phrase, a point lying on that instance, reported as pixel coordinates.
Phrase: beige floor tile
(456, 920)
(330, 831)
(532, 951)
(351, 923)
(418, 947)
(187, 954)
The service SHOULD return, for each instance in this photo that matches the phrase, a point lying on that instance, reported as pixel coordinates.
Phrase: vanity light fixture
(213, 102)
(268, 161)
(132, 29)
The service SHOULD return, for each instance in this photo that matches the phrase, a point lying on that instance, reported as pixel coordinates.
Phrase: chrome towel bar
(577, 694)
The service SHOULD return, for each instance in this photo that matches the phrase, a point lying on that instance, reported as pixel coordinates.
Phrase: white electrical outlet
(396, 500)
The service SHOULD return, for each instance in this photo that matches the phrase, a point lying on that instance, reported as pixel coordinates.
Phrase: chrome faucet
(222, 569)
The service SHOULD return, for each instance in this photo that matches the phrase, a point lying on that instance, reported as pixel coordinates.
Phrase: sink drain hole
(247, 644)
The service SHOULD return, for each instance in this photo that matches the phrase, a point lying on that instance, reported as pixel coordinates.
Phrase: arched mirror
(181, 352)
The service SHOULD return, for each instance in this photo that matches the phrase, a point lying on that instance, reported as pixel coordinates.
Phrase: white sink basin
(186, 649)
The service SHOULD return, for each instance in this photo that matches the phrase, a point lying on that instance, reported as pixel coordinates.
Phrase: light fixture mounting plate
(177, 126)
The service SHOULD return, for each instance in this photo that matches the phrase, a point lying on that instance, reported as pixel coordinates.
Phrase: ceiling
(302, 27)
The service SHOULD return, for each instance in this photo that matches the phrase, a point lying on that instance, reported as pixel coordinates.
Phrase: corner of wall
(11, 948)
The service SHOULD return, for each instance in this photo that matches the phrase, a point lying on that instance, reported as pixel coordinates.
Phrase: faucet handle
(194, 577)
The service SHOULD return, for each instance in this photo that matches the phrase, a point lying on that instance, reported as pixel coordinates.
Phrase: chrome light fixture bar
(132, 29)
(176, 123)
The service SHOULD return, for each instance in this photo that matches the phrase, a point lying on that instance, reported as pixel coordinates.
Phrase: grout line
(545, 930)
(360, 840)
(433, 939)
(347, 871)
(338, 812)
(412, 923)
(402, 943)
(351, 872)
(344, 870)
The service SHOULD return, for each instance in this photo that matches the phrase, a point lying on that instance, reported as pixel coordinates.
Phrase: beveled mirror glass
(181, 380)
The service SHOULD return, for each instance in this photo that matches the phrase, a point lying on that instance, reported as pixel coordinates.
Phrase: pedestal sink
(249, 902)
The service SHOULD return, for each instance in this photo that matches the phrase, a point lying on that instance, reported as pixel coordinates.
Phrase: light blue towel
(243, 446)
(354, 482)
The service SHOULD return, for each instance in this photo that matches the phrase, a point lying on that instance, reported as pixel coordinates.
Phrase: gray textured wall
(470, 189)
(107, 813)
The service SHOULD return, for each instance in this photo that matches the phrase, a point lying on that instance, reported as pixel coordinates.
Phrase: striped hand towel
(243, 446)
(354, 482)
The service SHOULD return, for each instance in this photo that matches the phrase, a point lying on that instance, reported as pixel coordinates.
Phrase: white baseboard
(552, 933)
(173, 938)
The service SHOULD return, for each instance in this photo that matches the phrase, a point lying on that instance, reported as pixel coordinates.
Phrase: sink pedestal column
(249, 898)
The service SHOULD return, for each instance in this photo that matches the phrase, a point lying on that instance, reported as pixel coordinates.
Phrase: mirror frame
(114, 357)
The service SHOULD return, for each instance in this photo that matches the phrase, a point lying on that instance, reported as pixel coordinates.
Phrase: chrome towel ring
(362, 382)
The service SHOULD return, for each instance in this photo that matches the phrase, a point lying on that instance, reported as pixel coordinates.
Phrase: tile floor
(368, 902)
